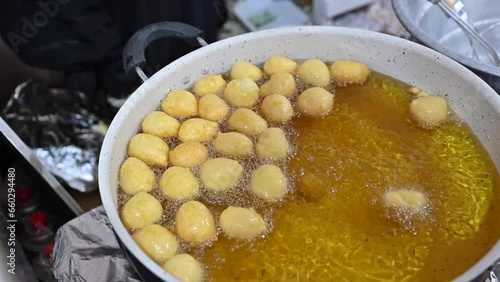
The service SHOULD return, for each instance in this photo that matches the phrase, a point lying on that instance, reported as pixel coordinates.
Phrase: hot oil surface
(335, 227)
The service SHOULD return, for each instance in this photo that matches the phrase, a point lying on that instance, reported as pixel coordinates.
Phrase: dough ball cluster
(227, 132)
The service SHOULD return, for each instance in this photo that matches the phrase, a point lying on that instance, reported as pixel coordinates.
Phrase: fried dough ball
(315, 102)
(269, 183)
(184, 267)
(272, 144)
(429, 111)
(242, 93)
(280, 83)
(149, 148)
(188, 154)
(135, 176)
(243, 69)
(179, 183)
(160, 124)
(212, 107)
(220, 174)
(279, 64)
(247, 122)
(199, 130)
(242, 223)
(180, 103)
(194, 222)
(213, 84)
(314, 72)
(347, 72)
(233, 144)
(277, 108)
(141, 210)
(406, 199)
(156, 241)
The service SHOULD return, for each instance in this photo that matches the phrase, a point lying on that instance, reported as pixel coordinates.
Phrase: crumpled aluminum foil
(86, 249)
(58, 126)
(495, 273)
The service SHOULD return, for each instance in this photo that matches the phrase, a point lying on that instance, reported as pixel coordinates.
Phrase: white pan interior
(472, 99)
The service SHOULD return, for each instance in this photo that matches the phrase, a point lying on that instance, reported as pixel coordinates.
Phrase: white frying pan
(471, 98)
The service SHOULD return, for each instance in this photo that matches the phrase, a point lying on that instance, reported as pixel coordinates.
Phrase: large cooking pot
(428, 24)
(470, 97)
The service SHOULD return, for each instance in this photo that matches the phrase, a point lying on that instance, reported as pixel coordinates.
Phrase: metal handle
(134, 52)
(456, 12)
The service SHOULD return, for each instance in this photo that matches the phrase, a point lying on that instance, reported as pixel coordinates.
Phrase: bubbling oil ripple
(466, 178)
(318, 236)
(333, 253)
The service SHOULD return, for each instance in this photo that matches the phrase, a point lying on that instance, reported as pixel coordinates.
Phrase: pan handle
(134, 52)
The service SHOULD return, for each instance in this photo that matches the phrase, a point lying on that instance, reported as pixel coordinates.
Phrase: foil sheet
(86, 249)
(494, 275)
(58, 125)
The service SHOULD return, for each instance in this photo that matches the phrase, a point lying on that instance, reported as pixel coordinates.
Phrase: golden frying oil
(334, 226)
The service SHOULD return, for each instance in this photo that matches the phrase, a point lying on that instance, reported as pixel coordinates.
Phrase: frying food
(141, 210)
(242, 223)
(212, 107)
(213, 84)
(220, 174)
(280, 83)
(272, 144)
(180, 103)
(269, 183)
(157, 241)
(276, 108)
(184, 267)
(407, 199)
(194, 222)
(149, 148)
(242, 93)
(179, 183)
(314, 72)
(136, 176)
(315, 102)
(233, 144)
(347, 72)
(160, 124)
(242, 69)
(429, 111)
(198, 130)
(189, 154)
(279, 64)
(285, 165)
(247, 122)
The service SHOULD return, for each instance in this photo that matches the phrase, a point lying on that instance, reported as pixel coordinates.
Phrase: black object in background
(86, 38)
